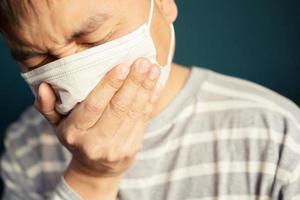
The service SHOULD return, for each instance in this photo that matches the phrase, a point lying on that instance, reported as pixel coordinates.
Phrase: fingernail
(156, 93)
(154, 73)
(123, 72)
(144, 66)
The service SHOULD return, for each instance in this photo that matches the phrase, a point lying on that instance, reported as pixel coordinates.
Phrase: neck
(176, 81)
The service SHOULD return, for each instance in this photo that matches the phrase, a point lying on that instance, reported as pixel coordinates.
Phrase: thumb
(45, 103)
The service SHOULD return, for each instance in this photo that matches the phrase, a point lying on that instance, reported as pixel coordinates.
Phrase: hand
(105, 131)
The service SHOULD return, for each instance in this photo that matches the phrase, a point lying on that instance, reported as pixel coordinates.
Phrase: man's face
(54, 29)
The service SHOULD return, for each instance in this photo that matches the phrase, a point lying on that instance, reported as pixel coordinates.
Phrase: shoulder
(223, 100)
(33, 159)
(31, 141)
(32, 152)
(28, 135)
(234, 103)
(244, 103)
(236, 92)
(249, 110)
(30, 125)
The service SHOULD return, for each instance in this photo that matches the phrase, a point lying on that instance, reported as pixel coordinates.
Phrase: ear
(168, 9)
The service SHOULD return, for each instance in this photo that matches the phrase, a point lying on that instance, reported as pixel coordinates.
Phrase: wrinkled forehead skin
(47, 24)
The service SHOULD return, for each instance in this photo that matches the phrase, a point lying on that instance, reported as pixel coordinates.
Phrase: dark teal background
(253, 39)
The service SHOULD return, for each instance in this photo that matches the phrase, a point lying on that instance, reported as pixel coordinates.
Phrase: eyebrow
(91, 24)
(21, 54)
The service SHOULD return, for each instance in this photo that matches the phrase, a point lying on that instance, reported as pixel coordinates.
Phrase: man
(148, 129)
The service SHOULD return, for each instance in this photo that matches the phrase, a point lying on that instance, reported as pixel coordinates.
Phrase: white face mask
(75, 76)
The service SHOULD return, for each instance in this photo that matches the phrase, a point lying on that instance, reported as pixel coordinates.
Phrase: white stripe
(207, 169)
(43, 139)
(10, 167)
(206, 107)
(296, 174)
(10, 185)
(218, 135)
(48, 167)
(250, 96)
(242, 82)
(17, 130)
(247, 83)
(185, 113)
(33, 195)
(234, 197)
(201, 108)
(297, 197)
(214, 106)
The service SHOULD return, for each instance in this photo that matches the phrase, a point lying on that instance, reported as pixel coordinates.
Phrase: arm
(105, 131)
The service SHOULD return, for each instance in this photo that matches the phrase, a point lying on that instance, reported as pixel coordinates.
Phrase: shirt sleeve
(19, 187)
(63, 191)
(292, 190)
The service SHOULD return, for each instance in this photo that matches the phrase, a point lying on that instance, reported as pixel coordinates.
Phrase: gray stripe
(237, 118)
(209, 186)
(229, 150)
(253, 88)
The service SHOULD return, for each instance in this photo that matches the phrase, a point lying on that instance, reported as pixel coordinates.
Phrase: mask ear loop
(171, 27)
(151, 13)
(172, 44)
(169, 60)
(166, 70)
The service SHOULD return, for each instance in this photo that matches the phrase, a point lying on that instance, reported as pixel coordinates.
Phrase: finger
(144, 93)
(156, 94)
(140, 105)
(46, 103)
(87, 113)
(121, 102)
(135, 137)
(133, 141)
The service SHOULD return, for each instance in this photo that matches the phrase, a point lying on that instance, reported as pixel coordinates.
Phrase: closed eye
(46, 60)
(86, 42)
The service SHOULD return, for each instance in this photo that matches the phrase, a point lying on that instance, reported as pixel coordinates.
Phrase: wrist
(89, 185)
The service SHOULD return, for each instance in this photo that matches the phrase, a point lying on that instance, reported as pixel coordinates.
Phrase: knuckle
(90, 152)
(70, 139)
(65, 135)
(91, 106)
(118, 107)
(135, 79)
(148, 84)
(114, 84)
(113, 157)
(134, 113)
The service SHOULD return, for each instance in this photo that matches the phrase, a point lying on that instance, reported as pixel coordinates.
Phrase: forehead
(57, 17)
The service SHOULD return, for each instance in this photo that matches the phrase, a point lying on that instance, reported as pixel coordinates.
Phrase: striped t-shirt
(221, 138)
